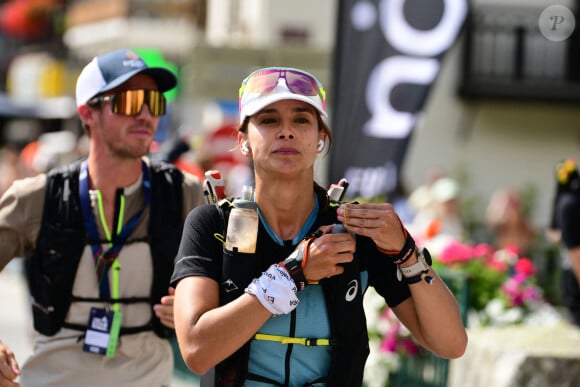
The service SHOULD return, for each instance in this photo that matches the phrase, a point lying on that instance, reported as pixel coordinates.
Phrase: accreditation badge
(102, 334)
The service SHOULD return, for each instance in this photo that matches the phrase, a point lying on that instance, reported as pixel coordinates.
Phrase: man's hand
(8, 367)
(164, 310)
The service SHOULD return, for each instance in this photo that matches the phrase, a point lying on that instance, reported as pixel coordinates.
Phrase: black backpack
(51, 270)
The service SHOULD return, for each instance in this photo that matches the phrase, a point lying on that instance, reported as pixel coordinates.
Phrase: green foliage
(484, 283)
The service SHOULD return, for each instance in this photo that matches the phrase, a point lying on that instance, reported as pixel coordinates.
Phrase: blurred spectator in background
(10, 168)
(442, 217)
(566, 221)
(50, 150)
(420, 199)
(179, 152)
(218, 150)
(447, 207)
(508, 223)
(215, 150)
(399, 198)
(27, 155)
(55, 149)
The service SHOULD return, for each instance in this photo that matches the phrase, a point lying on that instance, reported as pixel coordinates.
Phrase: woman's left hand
(378, 221)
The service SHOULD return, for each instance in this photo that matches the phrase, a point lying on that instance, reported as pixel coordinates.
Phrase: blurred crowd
(51, 149)
(434, 211)
(439, 212)
(213, 150)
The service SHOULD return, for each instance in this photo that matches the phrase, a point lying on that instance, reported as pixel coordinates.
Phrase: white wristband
(275, 290)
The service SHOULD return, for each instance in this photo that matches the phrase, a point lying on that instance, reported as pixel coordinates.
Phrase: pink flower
(483, 250)
(525, 266)
(389, 344)
(513, 249)
(531, 294)
(410, 347)
(456, 252)
(519, 278)
(386, 314)
(512, 290)
(498, 265)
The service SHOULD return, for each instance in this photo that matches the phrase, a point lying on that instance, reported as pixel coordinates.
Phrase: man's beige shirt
(142, 359)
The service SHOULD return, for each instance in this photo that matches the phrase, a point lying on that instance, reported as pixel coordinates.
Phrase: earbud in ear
(245, 149)
(320, 145)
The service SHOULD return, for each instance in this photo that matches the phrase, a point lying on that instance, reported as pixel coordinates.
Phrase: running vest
(52, 268)
(349, 341)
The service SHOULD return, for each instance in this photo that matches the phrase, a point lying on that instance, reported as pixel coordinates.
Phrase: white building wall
(259, 23)
(497, 143)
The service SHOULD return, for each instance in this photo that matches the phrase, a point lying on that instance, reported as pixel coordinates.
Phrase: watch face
(423, 252)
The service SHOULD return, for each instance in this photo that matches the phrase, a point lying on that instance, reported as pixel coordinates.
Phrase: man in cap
(100, 237)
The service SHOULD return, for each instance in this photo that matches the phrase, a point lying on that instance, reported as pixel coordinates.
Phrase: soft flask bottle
(242, 230)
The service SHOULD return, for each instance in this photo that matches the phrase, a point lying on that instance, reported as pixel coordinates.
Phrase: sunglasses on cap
(298, 82)
(130, 102)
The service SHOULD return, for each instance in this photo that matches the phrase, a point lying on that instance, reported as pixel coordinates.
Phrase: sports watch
(418, 271)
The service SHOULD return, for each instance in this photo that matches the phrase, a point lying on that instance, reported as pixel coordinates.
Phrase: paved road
(16, 320)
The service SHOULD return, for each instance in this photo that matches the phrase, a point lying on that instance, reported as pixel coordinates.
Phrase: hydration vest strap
(262, 379)
(308, 342)
(123, 331)
(259, 378)
(120, 300)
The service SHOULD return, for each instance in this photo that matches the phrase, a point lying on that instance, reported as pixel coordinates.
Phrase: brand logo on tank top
(351, 291)
(230, 285)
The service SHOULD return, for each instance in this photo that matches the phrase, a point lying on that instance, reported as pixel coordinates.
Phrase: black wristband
(405, 253)
(294, 264)
(423, 276)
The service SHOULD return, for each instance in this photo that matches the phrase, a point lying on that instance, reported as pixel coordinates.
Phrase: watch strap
(417, 269)
(414, 269)
(424, 276)
(296, 262)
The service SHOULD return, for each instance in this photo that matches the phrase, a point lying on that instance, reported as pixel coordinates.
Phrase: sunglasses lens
(156, 102)
(297, 82)
(263, 81)
(130, 102)
(302, 84)
(256, 90)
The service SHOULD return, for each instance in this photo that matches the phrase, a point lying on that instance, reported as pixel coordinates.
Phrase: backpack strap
(164, 231)
(52, 267)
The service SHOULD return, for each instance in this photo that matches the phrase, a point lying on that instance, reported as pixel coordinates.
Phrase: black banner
(387, 55)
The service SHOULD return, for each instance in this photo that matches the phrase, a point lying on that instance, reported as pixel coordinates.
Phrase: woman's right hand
(327, 253)
(8, 367)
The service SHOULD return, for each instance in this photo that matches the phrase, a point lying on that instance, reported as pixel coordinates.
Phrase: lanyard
(105, 259)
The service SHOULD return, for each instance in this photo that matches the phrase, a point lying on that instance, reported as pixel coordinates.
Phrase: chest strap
(309, 342)
(123, 331)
